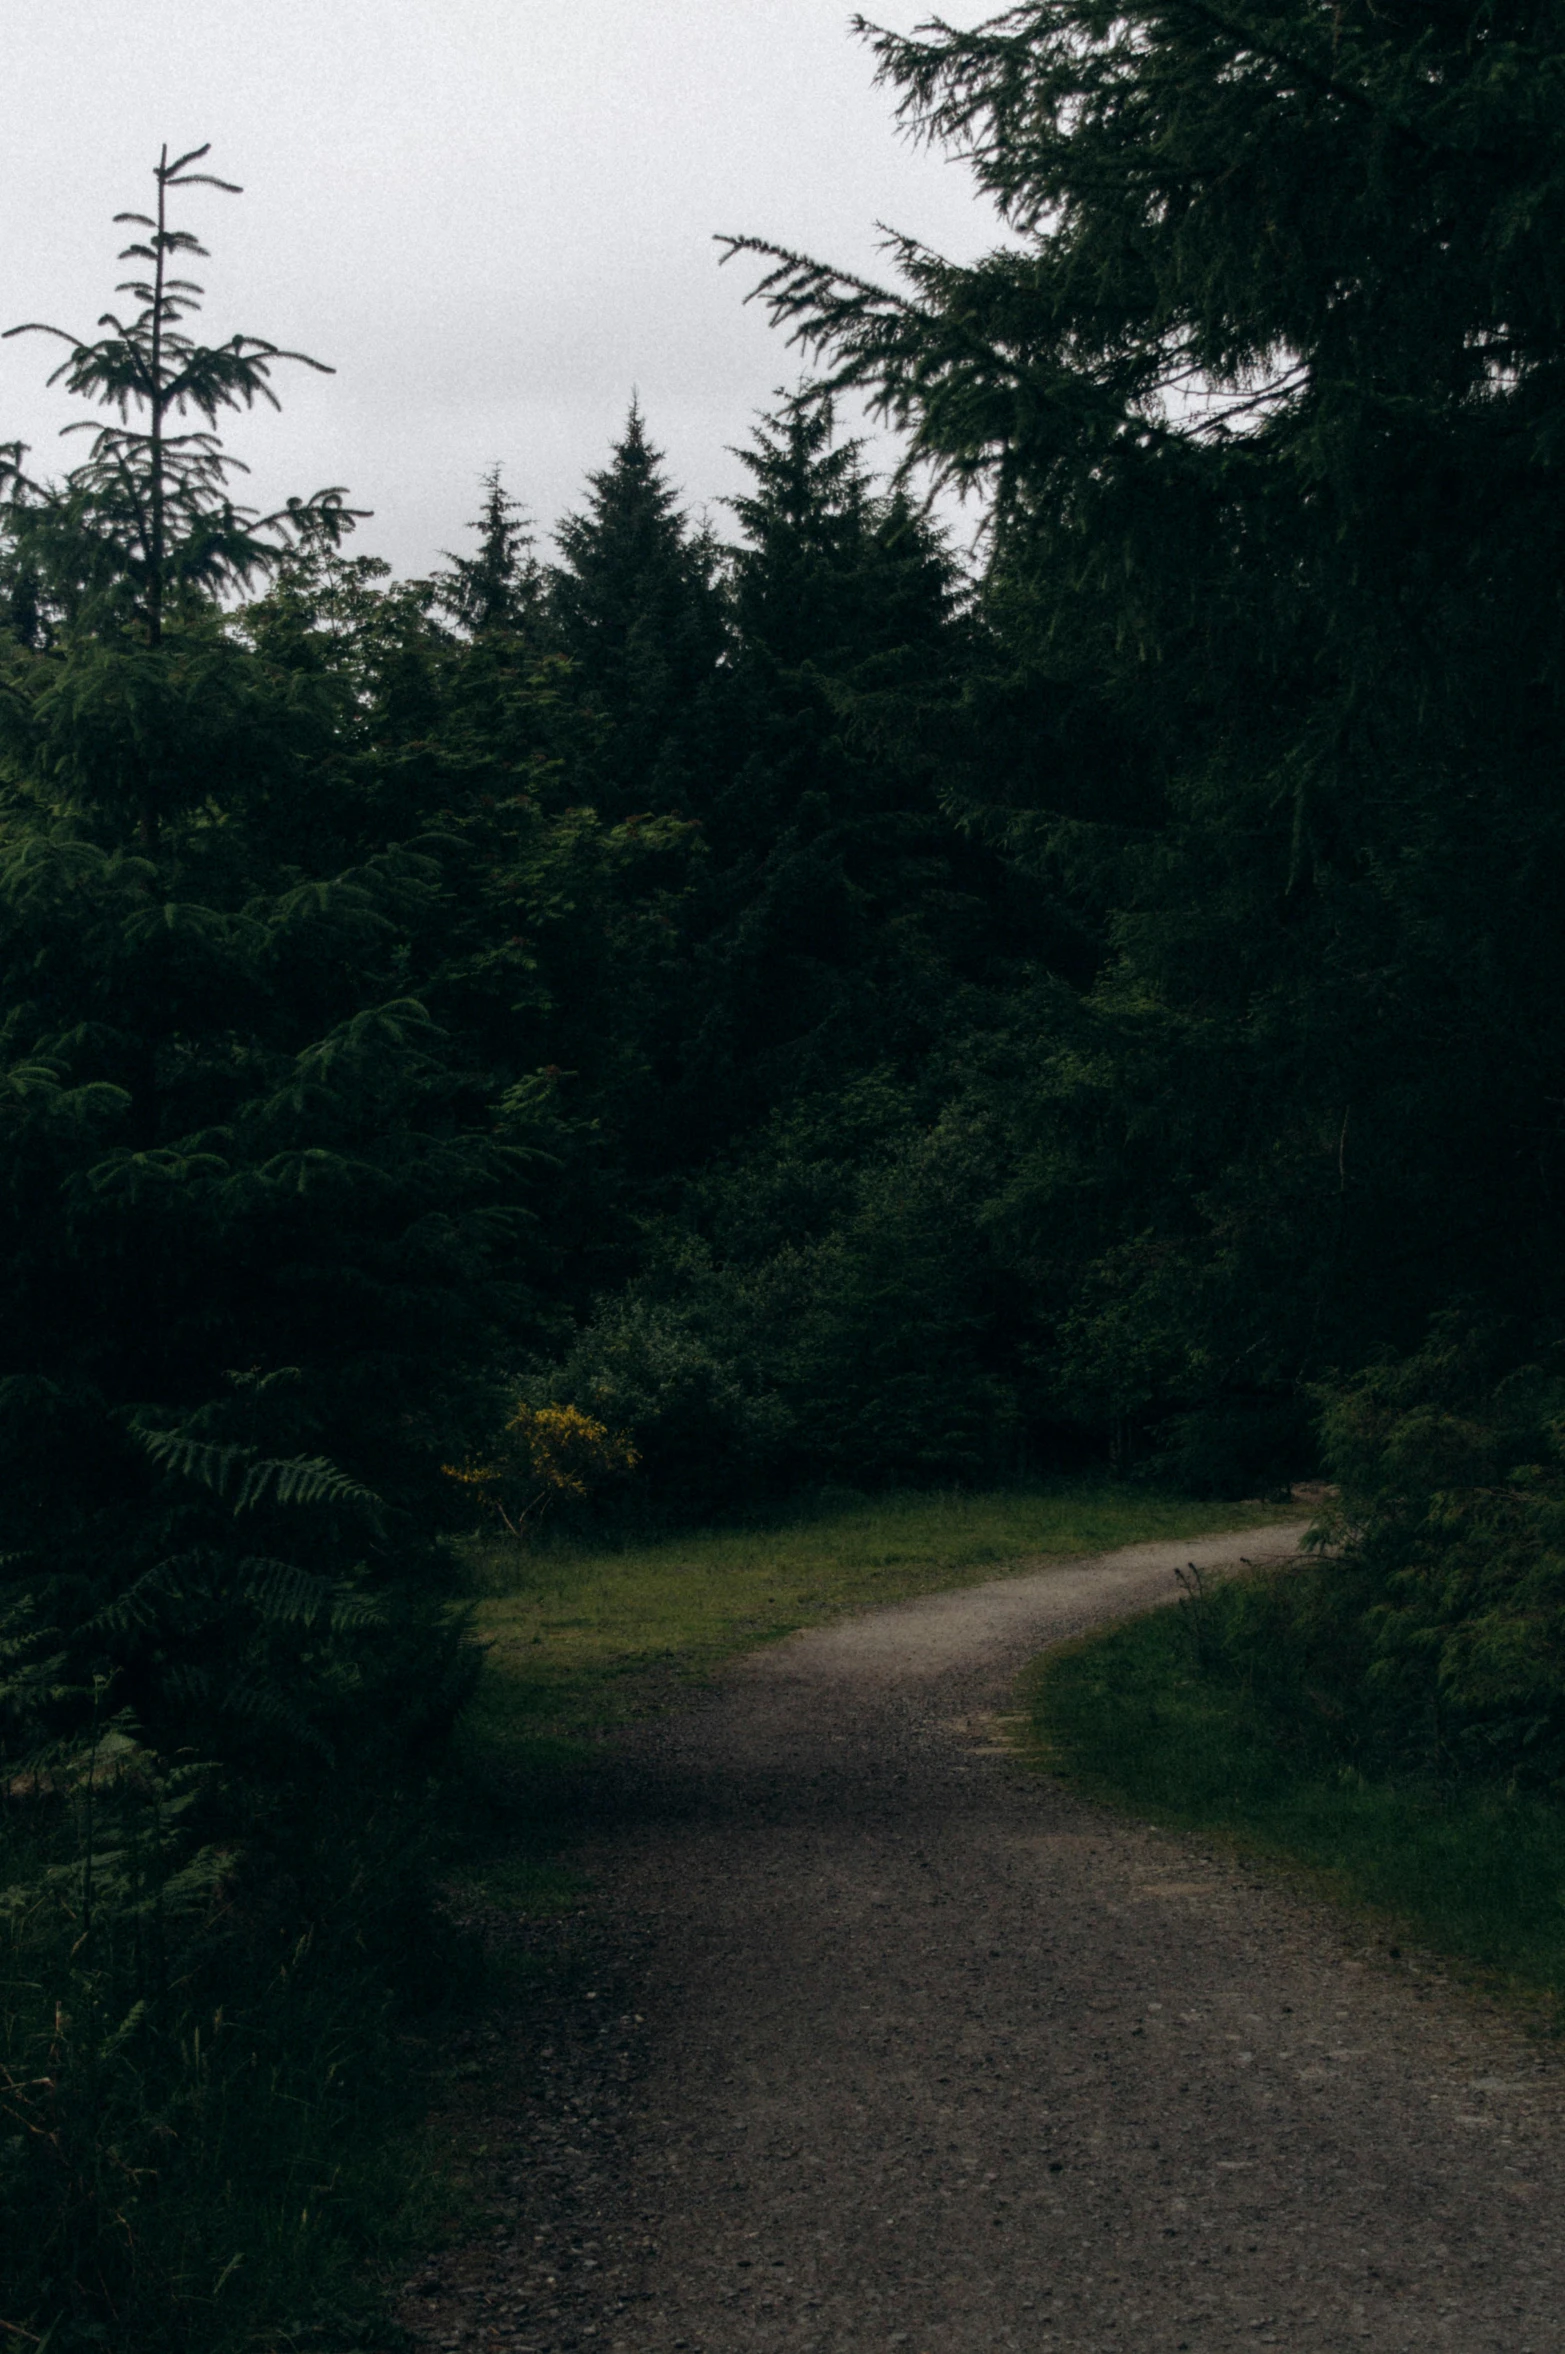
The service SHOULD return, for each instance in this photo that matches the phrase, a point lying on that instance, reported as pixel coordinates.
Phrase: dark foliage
(822, 1015)
(262, 1244)
(635, 609)
(1434, 1640)
(1263, 383)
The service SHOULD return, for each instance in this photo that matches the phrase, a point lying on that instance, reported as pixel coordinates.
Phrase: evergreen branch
(176, 175)
(1315, 77)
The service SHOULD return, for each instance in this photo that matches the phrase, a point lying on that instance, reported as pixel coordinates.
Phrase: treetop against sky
(494, 229)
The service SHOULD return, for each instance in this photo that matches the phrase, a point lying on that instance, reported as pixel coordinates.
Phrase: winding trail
(939, 2056)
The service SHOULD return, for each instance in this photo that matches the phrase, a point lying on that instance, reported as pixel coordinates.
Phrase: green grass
(1474, 1874)
(581, 1639)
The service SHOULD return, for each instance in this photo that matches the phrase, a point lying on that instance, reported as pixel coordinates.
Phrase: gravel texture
(888, 2041)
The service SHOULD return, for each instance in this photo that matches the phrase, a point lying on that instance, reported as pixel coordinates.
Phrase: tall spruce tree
(241, 1144)
(148, 520)
(259, 1246)
(636, 611)
(500, 586)
(838, 901)
(1263, 384)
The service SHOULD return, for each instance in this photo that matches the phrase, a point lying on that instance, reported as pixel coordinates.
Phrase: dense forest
(669, 1017)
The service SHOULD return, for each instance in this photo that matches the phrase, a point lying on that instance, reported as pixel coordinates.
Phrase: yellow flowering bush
(569, 1451)
(548, 1455)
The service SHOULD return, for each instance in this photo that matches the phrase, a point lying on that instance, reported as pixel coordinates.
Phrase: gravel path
(897, 2044)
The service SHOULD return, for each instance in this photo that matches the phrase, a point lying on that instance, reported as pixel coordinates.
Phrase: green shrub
(205, 2111)
(1427, 1637)
(829, 1307)
(1440, 1623)
(1151, 1715)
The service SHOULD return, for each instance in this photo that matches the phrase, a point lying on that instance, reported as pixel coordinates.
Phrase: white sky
(494, 217)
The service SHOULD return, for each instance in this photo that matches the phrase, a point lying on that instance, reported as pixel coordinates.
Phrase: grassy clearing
(1474, 1874)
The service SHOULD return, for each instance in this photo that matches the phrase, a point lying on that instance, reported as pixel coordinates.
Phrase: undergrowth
(1162, 1715)
(210, 2125)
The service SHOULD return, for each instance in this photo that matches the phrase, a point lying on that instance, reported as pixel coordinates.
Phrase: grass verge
(1477, 1875)
(583, 1638)
(212, 2137)
(580, 1639)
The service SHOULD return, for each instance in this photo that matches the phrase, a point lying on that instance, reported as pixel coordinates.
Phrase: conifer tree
(1261, 384)
(501, 586)
(246, 1145)
(259, 1242)
(837, 894)
(148, 517)
(636, 611)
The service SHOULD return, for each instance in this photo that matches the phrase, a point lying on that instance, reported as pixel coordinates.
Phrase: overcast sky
(493, 217)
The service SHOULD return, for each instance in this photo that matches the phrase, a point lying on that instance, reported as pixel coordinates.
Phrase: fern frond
(303, 1479)
(125, 1613)
(251, 1478)
(268, 1704)
(209, 1465)
(286, 1595)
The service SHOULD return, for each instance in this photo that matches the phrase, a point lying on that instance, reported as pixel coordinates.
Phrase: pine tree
(262, 1246)
(1262, 385)
(838, 900)
(148, 519)
(635, 609)
(239, 1140)
(501, 587)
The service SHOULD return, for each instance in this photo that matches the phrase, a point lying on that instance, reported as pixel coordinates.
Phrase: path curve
(942, 2057)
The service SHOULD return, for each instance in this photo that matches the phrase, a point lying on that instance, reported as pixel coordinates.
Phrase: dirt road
(909, 2048)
